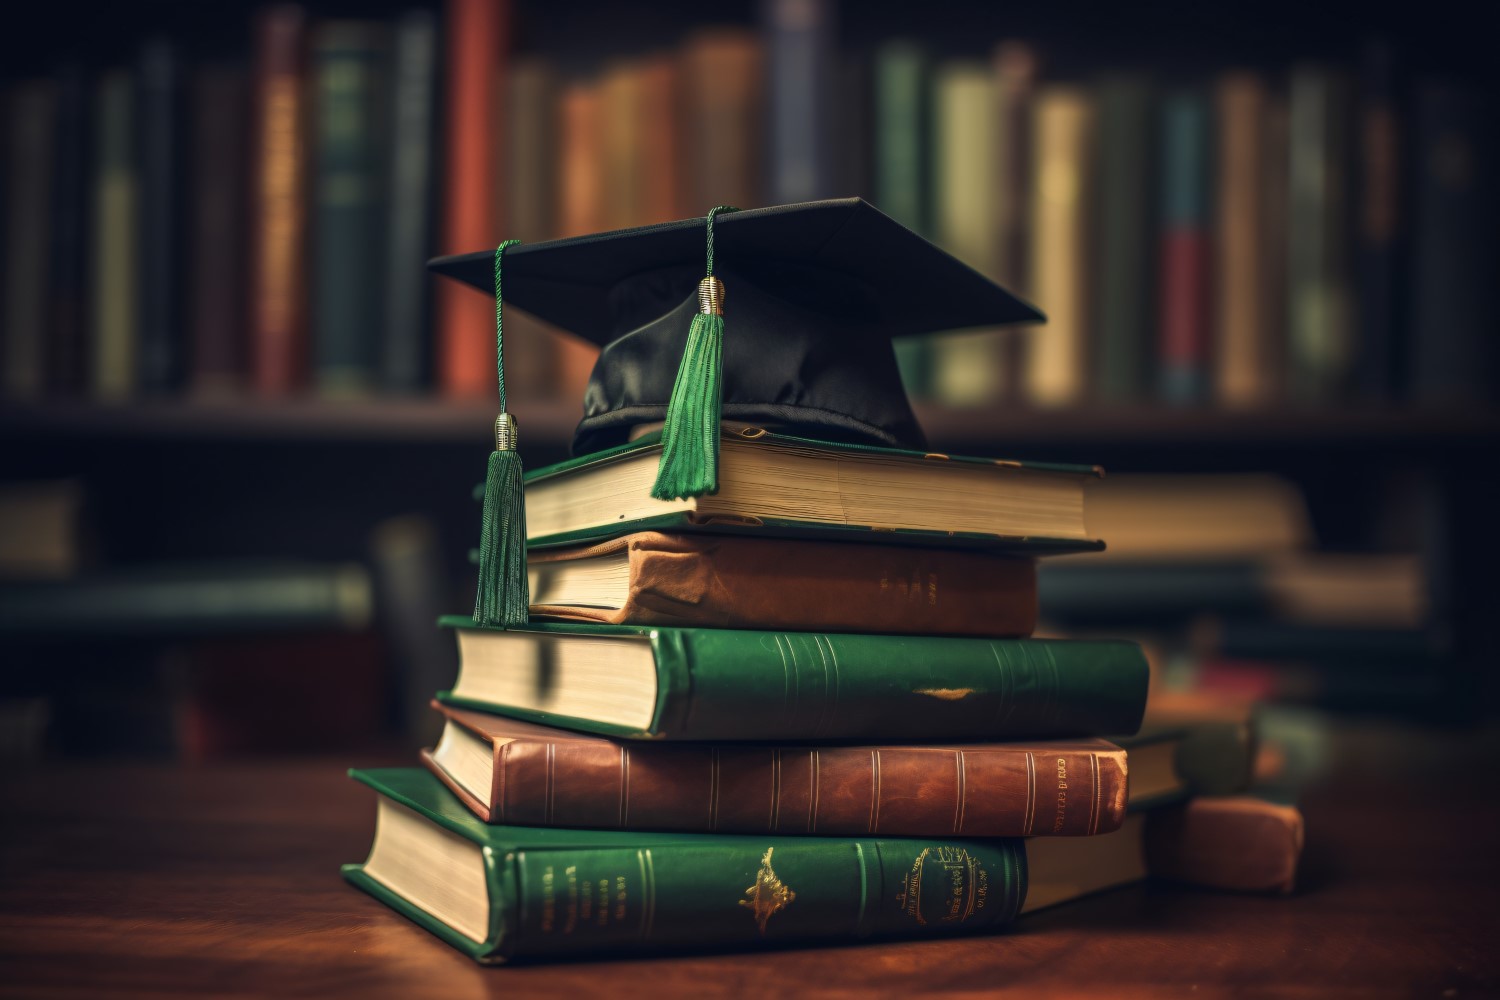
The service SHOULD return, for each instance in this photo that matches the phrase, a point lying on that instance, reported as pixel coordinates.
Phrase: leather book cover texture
(552, 777)
(1239, 842)
(728, 581)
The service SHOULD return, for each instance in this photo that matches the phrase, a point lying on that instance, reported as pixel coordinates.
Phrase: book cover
(1124, 276)
(902, 136)
(220, 109)
(726, 581)
(1057, 354)
(726, 685)
(965, 367)
(476, 40)
(114, 261)
(405, 344)
(537, 893)
(541, 776)
(349, 63)
(1185, 249)
(277, 303)
(1238, 843)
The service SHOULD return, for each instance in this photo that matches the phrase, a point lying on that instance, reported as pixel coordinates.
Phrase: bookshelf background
(157, 389)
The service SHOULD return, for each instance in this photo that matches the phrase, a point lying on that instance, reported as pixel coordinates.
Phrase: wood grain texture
(152, 881)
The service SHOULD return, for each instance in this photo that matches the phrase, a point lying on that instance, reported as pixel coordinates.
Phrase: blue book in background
(801, 77)
(1185, 241)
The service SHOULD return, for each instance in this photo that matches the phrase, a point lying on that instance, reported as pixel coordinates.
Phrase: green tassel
(689, 465)
(690, 437)
(504, 597)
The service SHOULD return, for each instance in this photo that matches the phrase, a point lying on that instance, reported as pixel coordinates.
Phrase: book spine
(1242, 370)
(800, 34)
(1057, 356)
(404, 344)
(1318, 294)
(660, 156)
(347, 194)
(278, 290)
(112, 365)
(721, 684)
(531, 180)
(581, 210)
(29, 177)
(1124, 276)
(577, 901)
(476, 36)
(1185, 249)
(965, 367)
(724, 77)
(623, 146)
(1453, 315)
(1239, 843)
(162, 350)
(828, 791)
(68, 236)
(901, 139)
(221, 119)
(1378, 229)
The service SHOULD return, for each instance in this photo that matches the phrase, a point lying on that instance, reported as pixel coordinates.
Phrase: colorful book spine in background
(581, 209)
(1319, 329)
(724, 80)
(348, 62)
(661, 139)
(1125, 275)
(641, 144)
(219, 228)
(32, 110)
(278, 266)
(163, 351)
(1378, 227)
(1275, 223)
(1185, 248)
(966, 367)
(68, 235)
(1016, 66)
(116, 219)
(901, 141)
(1243, 373)
(530, 190)
(1057, 355)
(476, 38)
(800, 75)
(1453, 316)
(405, 342)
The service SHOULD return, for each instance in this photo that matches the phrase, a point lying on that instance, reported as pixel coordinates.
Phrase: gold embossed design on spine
(767, 895)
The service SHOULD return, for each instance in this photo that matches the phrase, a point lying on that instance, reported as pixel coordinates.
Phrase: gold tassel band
(711, 297)
(506, 433)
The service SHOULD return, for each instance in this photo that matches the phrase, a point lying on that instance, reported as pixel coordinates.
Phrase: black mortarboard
(816, 291)
(814, 294)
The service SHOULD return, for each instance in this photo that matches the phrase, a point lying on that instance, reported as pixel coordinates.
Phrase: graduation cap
(815, 292)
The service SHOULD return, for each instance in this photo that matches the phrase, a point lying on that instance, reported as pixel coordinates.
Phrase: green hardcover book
(729, 684)
(775, 484)
(901, 141)
(499, 893)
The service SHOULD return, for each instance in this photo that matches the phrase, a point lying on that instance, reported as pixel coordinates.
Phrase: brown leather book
(522, 774)
(730, 581)
(1237, 842)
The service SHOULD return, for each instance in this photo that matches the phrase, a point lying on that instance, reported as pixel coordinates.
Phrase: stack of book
(805, 708)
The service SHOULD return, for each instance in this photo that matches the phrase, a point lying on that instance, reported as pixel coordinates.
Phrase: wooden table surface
(154, 880)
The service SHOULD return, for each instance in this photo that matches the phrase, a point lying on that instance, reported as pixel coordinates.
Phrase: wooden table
(153, 880)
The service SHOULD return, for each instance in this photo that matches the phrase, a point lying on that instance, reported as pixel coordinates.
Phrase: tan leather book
(1237, 842)
(518, 773)
(732, 581)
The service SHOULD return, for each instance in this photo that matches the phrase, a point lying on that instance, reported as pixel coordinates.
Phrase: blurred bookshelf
(1262, 234)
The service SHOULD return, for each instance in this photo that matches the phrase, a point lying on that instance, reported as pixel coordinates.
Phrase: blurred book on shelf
(1234, 238)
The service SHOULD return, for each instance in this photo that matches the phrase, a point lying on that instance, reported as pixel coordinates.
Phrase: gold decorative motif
(768, 895)
(959, 886)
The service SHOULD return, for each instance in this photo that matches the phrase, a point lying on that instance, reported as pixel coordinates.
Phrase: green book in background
(114, 307)
(499, 893)
(1125, 278)
(645, 682)
(901, 139)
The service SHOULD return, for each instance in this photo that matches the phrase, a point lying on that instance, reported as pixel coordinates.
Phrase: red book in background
(476, 40)
(1185, 242)
(278, 265)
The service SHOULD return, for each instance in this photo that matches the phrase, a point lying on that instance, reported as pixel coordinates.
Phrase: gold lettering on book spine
(767, 895)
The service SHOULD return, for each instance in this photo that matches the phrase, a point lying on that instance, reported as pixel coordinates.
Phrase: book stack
(803, 704)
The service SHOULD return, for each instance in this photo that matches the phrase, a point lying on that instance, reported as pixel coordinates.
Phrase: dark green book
(498, 893)
(1125, 273)
(791, 487)
(650, 682)
(349, 69)
(901, 142)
